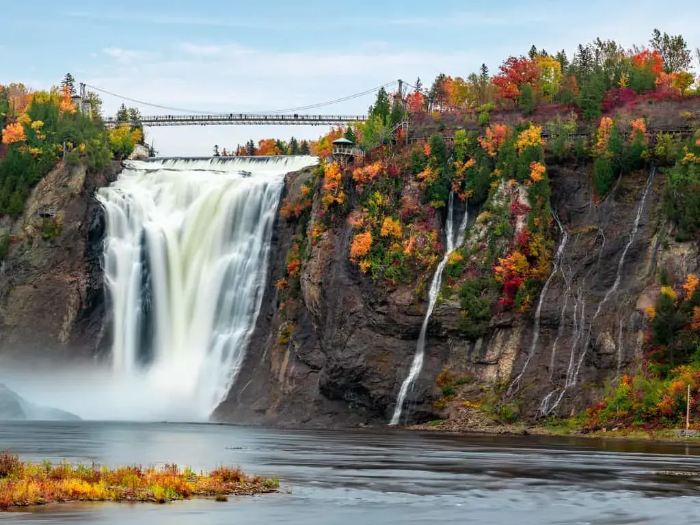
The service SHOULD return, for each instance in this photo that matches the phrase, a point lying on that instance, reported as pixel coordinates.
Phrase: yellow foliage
(669, 292)
(365, 265)
(391, 228)
(650, 311)
(530, 138)
(604, 131)
(454, 258)
(516, 262)
(137, 136)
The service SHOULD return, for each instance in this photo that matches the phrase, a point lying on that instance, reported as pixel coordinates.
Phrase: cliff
(51, 290)
(339, 357)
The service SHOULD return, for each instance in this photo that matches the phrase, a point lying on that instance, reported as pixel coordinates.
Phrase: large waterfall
(185, 263)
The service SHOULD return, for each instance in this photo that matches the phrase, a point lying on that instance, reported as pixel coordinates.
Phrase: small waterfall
(185, 263)
(573, 371)
(556, 267)
(452, 244)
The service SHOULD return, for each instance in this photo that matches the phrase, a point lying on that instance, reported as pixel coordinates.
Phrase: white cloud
(127, 56)
(200, 50)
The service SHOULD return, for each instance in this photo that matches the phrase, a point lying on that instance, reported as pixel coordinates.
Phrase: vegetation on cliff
(23, 484)
(41, 128)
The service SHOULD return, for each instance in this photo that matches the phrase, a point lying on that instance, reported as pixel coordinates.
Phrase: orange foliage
(13, 133)
(496, 135)
(649, 59)
(651, 312)
(368, 173)
(268, 147)
(324, 146)
(415, 102)
(695, 323)
(515, 263)
(537, 171)
(66, 105)
(690, 285)
(332, 193)
(361, 245)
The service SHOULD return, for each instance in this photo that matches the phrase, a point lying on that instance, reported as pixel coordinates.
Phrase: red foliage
(518, 208)
(618, 97)
(415, 102)
(514, 73)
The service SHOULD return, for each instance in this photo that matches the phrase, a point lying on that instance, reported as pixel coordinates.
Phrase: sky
(231, 56)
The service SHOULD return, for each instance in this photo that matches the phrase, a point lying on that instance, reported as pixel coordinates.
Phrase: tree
(250, 148)
(304, 148)
(135, 119)
(13, 133)
(550, 79)
(396, 116)
(381, 107)
(533, 52)
(563, 60)
(673, 50)
(527, 100)
(95, 103)
(69, 82)
(515, 72)
(123, 114)
(293, 146)
(350, 135)
(216, 150)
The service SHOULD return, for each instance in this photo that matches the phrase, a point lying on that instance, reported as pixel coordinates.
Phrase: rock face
(51, 290)
(352, 344)
(16, 408)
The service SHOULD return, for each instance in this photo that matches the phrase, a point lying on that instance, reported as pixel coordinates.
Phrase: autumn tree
(673, 51)
(13, 133)
(514, 73)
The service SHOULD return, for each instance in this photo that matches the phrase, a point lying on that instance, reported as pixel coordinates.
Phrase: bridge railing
(354, 152)
(242, 118)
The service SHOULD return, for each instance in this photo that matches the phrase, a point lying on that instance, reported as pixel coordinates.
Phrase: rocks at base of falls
(15, 408)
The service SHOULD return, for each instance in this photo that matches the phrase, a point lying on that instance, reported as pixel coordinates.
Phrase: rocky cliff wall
(351, 343)
(51, 290)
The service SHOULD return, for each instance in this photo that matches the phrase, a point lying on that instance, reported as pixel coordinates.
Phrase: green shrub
(50, 229)
(484, 118)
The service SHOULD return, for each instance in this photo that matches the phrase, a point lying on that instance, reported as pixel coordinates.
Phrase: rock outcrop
(52, 303)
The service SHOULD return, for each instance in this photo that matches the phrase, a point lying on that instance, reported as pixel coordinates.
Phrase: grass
(24, 484)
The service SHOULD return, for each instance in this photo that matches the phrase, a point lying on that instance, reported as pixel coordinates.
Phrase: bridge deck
(244, 119)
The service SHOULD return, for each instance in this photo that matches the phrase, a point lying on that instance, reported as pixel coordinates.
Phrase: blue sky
(231, 56)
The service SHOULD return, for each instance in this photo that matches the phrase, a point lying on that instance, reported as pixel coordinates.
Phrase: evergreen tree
(123, 114)
(304, 148)
(95, 103)
(591, 96)
(135, 119)
(381, 107)
(250, 148)
(397, 114)
(281, 147)
(216, 150)
(527, 99)
(293, 146)
(350, 135)
(69, 81)
(533, 52)
(563, 60)
(419, 84)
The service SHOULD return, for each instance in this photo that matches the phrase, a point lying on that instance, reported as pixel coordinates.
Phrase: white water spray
(185, 264)
(452, 244)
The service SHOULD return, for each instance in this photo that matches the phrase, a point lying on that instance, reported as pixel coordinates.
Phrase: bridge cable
(199, 112)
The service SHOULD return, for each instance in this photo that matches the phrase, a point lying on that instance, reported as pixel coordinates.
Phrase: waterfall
(452, 244)
(573, 371)
(515, 385)
(185, 261)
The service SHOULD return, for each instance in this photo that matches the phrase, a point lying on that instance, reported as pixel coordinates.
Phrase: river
(378, 477)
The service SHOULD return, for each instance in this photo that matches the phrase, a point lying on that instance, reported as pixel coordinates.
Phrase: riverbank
(470, 420)
(25, 484)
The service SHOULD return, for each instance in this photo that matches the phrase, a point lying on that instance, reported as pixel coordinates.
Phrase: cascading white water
(185, 263)
(452, 244)
(546, 407)
(515, 385)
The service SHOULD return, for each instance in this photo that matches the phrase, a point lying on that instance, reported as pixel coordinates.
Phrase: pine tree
(69, 81)
(216, 150)
(293, 146)
(527, 99)
(350, 135)
(533, 52)
(304, 148)
(250, 148)
(381, 107)
(123, 114)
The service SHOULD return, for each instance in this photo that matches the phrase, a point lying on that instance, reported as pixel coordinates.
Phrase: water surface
(382, 477)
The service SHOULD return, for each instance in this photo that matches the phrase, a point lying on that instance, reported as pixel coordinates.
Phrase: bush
(484, 118)
(50, 229)
(4, 246)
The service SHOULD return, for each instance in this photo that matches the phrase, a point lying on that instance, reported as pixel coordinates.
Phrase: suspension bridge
(290, 116)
